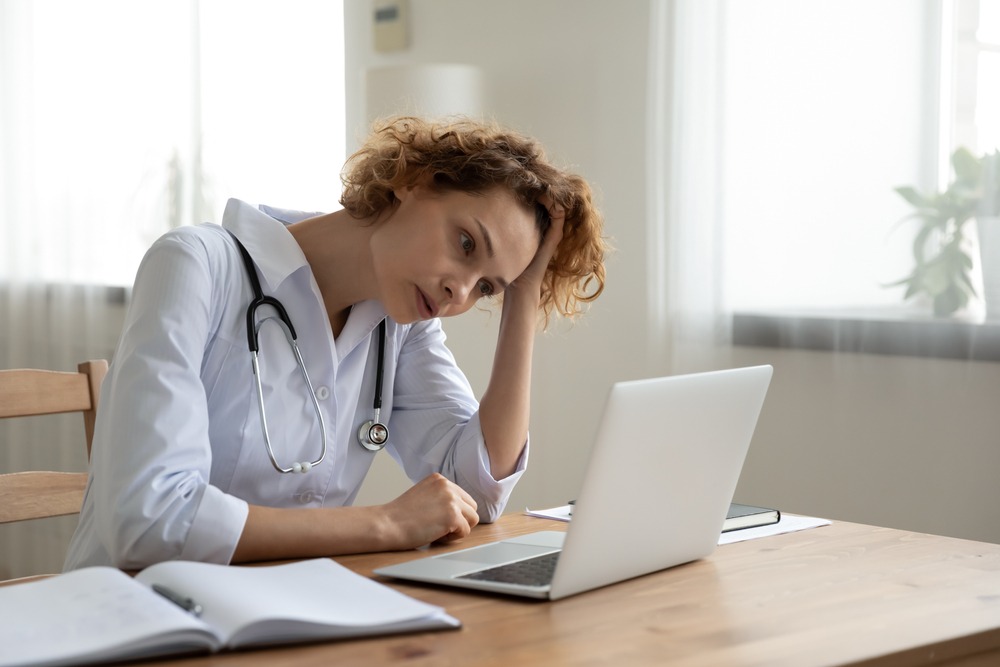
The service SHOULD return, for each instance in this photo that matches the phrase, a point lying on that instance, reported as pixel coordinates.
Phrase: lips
(425, 306)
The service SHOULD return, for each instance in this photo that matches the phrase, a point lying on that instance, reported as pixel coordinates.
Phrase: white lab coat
(178, 450)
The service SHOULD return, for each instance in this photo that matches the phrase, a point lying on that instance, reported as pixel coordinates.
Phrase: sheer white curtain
(686, 223)
(787, 125)
(94, 119)
(120, 120)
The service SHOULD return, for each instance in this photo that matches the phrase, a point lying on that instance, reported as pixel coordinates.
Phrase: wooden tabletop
(845, 594)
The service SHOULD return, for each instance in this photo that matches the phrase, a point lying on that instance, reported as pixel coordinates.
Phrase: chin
(406, 317)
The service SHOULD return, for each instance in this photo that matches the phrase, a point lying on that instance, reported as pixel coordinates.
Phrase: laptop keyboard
(535, 571)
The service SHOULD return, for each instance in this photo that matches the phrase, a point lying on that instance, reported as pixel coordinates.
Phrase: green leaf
(898, 283)
(967, 282)
(947, 302)
(920, 243)
(936, 280)
(967, 167)
(941, 265)
(913, 197)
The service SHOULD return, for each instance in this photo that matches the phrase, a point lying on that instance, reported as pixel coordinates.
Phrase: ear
(402, 194)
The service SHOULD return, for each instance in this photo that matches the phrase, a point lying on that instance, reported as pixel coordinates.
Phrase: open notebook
(100, 614)
(675, 444)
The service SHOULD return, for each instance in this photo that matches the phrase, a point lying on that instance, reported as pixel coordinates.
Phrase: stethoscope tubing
(253, 330)
(372, 435)
(304, 466)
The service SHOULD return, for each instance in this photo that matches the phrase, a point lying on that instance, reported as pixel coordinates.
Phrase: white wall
(909, 443)
(572, 74)
(893, 441)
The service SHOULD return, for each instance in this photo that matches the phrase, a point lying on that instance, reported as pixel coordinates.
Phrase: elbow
(134, 541)
(490, 511)
(143, 530)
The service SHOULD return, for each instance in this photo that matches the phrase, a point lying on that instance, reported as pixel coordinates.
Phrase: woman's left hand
(533, 275)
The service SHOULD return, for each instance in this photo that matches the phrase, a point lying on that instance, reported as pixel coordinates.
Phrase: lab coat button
(305, 497)
(323, 393)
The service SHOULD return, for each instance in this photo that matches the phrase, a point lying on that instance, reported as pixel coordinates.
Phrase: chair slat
(41, 392)
(34, 495)
(40, 494)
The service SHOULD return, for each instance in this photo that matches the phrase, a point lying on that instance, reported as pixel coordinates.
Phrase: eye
(468, 245)
(485, 289)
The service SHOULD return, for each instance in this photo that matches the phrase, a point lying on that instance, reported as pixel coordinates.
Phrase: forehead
(507, 226)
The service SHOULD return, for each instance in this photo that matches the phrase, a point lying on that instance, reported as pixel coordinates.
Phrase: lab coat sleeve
(435, 422)
(151, 459)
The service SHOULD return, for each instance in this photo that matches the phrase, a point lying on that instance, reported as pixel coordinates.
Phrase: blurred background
(746, 155)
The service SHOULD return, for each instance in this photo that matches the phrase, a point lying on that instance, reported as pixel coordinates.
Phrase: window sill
(882, 331)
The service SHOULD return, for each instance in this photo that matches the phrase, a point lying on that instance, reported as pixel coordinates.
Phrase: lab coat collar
(277, 256)
(363, 319)
(272, 248)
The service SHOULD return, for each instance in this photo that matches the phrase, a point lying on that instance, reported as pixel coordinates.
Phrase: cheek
(459, 308)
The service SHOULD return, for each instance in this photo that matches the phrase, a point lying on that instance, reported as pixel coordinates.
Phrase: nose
(459, 287)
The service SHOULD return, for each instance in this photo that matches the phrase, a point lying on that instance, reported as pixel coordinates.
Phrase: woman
(192, 459)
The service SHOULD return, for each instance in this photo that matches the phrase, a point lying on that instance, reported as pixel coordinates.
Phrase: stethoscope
(372, 435)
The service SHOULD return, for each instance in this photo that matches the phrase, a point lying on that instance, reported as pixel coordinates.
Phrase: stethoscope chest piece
(373, 435)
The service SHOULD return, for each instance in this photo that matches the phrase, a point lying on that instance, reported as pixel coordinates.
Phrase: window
(791, 125)
(122, 119)
(975, 76)
(824, 109)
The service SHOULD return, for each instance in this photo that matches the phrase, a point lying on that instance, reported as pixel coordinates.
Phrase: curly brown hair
(469, 156)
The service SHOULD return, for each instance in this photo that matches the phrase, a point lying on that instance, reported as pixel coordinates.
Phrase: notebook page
(96, 612)
(303, 600)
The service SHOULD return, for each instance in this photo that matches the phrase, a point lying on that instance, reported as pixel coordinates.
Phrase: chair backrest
(28, 392)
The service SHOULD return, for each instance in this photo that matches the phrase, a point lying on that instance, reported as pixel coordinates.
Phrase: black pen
(187, 604)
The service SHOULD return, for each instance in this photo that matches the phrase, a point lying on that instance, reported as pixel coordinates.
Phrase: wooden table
(845, 594)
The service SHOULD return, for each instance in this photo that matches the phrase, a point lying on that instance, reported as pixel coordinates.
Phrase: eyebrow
(486, 238)
(490, 252)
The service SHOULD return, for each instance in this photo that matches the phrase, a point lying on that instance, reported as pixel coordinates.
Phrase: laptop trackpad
(498, 552)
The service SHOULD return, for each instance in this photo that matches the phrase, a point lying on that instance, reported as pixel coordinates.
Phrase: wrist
(522, 300)
(384, 529)
(522, 289)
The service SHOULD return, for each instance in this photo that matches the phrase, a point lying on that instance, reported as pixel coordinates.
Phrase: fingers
(557, 213)
(460, 509)
(462, 527)
(467, 506)
(470, 517)
(557, 216)
(554, 208)
(435, 509)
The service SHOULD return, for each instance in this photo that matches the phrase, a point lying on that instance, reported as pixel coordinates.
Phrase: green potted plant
(942, 263)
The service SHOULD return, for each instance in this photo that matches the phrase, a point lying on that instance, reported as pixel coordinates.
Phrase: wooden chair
(27, 392)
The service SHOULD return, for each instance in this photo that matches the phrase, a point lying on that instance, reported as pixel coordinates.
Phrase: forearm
(433, 509)
(505, 407)
(278, 533)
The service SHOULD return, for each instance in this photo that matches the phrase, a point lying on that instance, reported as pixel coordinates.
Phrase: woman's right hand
(433, 510)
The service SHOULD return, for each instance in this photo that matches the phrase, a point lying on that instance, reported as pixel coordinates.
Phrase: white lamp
(436, 90)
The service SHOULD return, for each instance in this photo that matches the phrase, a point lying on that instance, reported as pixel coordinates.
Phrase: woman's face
(438, 253)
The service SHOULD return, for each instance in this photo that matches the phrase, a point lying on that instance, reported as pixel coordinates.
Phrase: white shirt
(178, 449)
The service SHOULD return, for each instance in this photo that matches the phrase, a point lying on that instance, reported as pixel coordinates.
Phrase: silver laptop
(661, 475)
